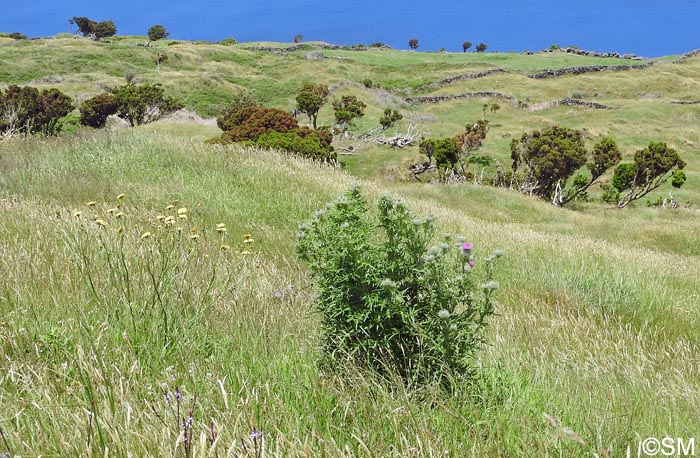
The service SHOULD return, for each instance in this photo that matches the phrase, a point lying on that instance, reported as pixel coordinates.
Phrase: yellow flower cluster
(175, 216)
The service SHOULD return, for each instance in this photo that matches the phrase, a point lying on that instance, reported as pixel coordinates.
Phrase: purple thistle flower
(471, 263)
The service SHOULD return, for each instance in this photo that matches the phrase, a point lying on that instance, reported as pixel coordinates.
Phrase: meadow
(150, 278)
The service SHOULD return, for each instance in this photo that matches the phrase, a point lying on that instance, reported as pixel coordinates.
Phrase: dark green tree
(347, 109)
(298, 38)
(413, 43)
(95, 111)
(157, 32)
(466, 45)
(310, 98)
(142, 104)
(444, 150)
(652, 167)
(606, 155)
(389, 118)
(104, 29)
(26, 110)
(481, 47)
(95, 30)
(85, 25)
(544, 158)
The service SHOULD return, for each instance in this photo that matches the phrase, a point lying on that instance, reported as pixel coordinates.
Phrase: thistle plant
(391, 299)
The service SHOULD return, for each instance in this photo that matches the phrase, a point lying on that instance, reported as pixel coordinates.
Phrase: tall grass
(100, 328)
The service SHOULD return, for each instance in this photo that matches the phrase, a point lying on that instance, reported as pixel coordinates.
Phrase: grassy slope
(598, 308)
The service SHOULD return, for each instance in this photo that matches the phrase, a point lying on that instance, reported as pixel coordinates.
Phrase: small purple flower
(471, 263)
(167, 397)
(256, 434)
(466, 249)
(178, 396)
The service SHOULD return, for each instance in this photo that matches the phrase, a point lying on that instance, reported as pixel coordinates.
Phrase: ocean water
(644, 27)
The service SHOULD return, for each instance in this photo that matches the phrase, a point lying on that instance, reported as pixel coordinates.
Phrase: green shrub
(26, 110)
(393, 301)
(142, 104)
(303, 141)
(228, 41)
(95, 111)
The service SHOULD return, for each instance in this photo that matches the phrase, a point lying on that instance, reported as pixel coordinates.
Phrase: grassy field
(120, 318)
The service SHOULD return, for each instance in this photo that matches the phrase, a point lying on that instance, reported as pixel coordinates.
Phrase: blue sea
(648, 28)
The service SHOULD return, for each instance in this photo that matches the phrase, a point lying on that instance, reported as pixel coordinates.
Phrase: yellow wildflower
(179, 229)
(182, 211)
(100, 222)
(92, 203)
(248, 240)
(160, 217)
(220, 225)
(120, 229)
(221, 229)
(121, 196)
(111, 210)
(77, 213)
(120, 214)
(194, 236)
(246, 252)
(170, 207)
(182, 216)
(225, 247)
(170, 219)
(145, 235)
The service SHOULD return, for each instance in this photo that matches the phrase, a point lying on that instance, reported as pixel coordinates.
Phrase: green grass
(596, 325)
(597, 311)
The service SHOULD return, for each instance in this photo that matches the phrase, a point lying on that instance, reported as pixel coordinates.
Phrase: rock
(314, 55)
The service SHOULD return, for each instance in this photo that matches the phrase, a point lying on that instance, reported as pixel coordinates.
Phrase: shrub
(251, 122)
(141, 104)
(652, 167)
(157, 32)
(25, 109)
(391, 301)
(228, 41)
(95, 111)
(302, 141)
(389, 118)
(240, 101)
(368, 83)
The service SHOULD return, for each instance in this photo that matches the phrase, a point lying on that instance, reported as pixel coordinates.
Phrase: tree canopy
(543, 158)
(310, 98)
(652, 167)
(95, 30)
(347, 109)
(141, 104)
(26, 110)
(157, 32)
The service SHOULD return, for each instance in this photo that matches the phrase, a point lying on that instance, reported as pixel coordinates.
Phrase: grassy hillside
(597, 311)
(642, 103)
